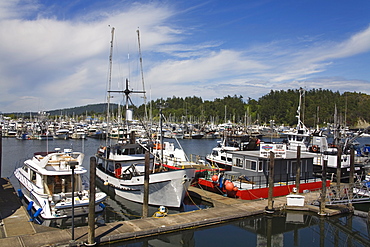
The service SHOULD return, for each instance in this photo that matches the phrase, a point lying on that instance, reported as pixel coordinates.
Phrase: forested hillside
(319, 106)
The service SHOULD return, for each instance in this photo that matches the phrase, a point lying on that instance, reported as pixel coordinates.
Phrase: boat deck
(18, 231)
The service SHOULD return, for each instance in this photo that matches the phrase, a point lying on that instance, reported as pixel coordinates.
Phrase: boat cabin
(254, 165)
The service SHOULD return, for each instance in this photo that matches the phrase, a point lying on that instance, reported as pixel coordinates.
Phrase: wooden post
(298, 169)
(1, 150)
(351, 176)
(91, 217)
(339, 170)
(323, 189)
(146, 185)
(270, 204)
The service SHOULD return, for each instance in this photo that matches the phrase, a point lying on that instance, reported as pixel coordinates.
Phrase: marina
(222, 211)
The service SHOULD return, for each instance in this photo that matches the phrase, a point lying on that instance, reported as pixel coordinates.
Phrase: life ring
(118, 170)
(315, 148)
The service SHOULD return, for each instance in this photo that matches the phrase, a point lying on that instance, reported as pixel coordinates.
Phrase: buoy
(214, 178)
(229, 186)
(102, 205)
(162, 212)
(30, 205)
(38, 212)
(20, 194)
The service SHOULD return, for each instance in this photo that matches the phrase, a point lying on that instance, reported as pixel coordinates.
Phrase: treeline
(318, 107)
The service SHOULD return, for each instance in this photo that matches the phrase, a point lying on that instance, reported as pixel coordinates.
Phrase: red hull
(253, 194)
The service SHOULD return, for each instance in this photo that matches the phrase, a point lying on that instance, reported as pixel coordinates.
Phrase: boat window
(25, 168)
(229, 159)
(33, 176)
(238, 162)
(292, 168)
(214, 153)
(260, 166)
(223, 158)
(251, 165)
(58, 184)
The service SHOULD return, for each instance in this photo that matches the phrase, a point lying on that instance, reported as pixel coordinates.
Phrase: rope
(191, 199)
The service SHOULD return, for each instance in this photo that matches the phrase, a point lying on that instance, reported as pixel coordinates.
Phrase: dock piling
(323, 189)
(270, 204)
(146, 185)
(298, 169)
(91, 217)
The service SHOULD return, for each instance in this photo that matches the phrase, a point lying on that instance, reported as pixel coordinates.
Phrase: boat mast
(300, 125)
(142, 75)
(109, 83)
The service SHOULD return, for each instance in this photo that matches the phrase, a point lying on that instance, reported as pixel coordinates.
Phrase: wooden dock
(17, 230)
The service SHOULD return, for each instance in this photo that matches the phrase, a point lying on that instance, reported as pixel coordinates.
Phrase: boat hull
(165, 188)
(80, 209)
(259, 193)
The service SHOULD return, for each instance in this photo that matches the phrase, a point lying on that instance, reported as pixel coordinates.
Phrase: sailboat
(121, 166)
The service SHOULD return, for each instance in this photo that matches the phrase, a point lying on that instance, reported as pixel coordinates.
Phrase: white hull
(63, 209)
(165, 188)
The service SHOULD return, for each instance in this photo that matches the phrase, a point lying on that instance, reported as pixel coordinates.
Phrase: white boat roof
(57, 162)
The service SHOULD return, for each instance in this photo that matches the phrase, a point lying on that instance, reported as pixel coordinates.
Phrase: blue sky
(55, 54)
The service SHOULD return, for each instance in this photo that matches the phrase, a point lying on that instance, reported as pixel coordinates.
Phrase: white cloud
(50, 62)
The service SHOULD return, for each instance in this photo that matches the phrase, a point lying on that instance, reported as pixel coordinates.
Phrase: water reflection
(284, 229)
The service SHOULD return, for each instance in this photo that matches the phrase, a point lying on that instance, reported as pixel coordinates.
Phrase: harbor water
(280, 229)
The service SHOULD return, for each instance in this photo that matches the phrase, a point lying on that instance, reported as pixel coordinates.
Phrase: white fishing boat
(221, 155)
(62, 134)
(122, 168)
(46, 183)
(316, 142)
(78, 133)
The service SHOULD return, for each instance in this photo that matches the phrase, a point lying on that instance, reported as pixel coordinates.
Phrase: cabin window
(25, 168)
(58, 184)
(229, 159)
(238, 162)
(251, 165)
(223, 158)
(292, 168)
(214, 153)
(33, 176)
(260, 166)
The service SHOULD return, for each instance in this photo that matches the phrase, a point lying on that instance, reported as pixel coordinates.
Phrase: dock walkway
(29, 234)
